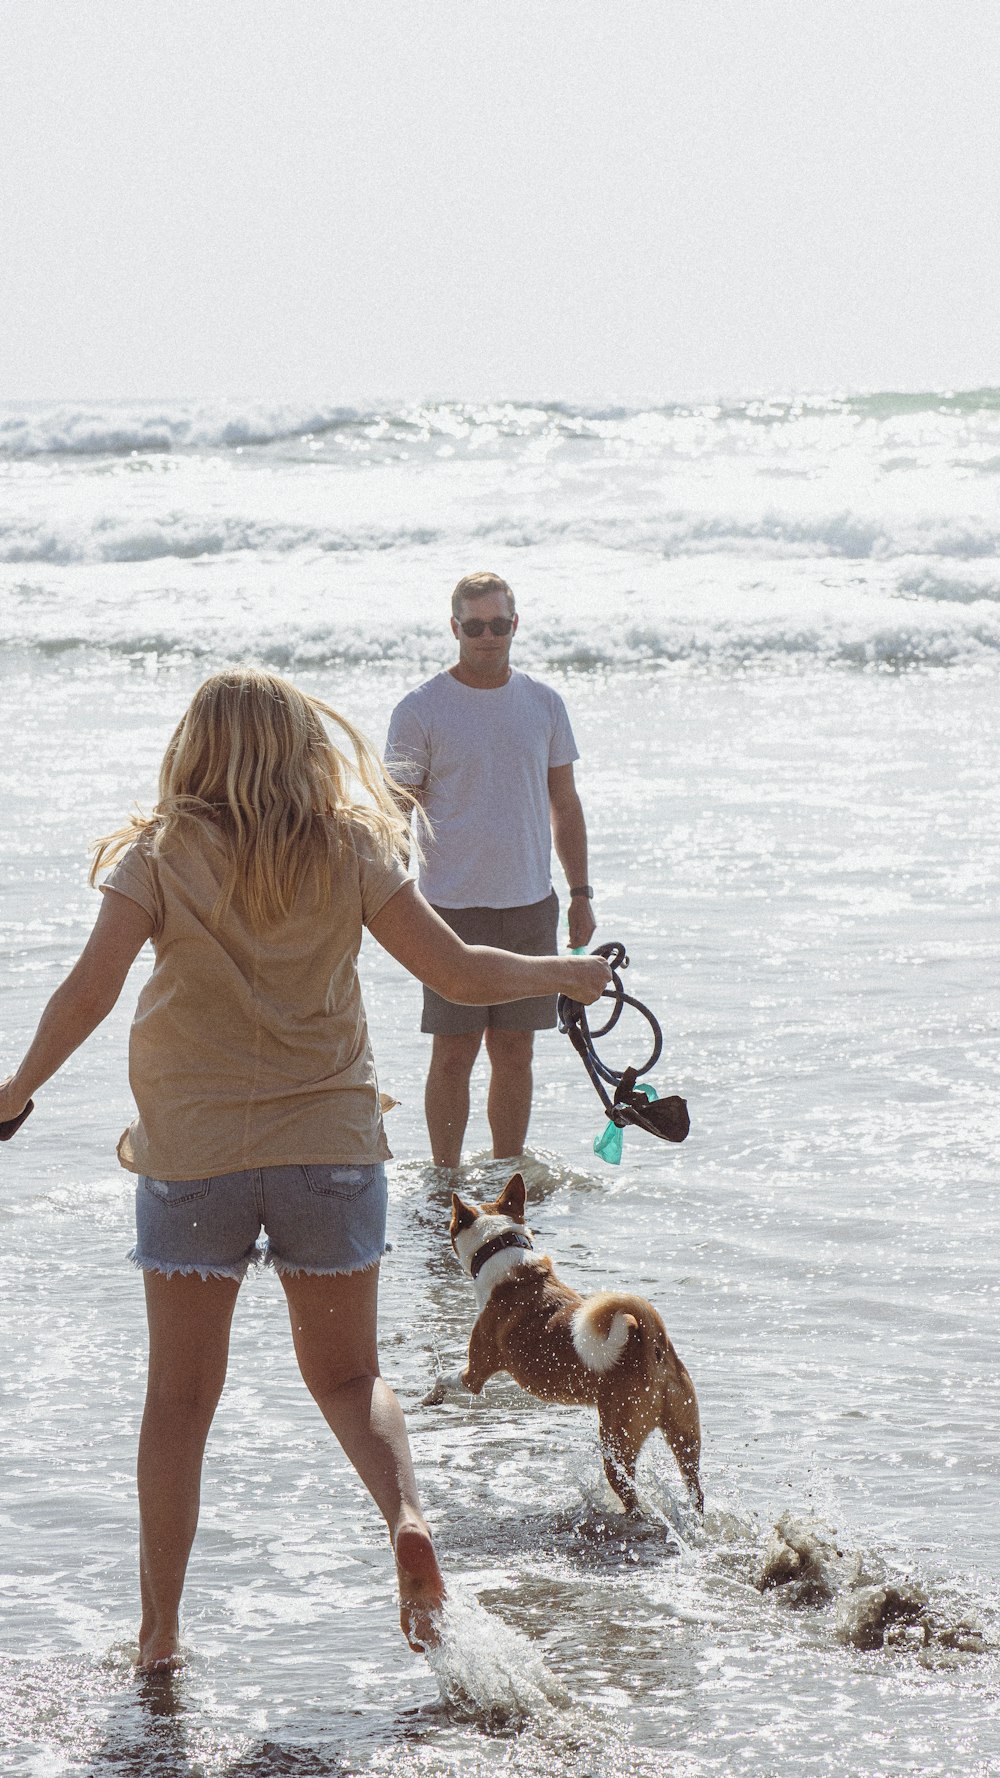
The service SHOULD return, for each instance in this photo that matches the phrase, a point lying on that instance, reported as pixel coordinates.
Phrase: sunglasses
(475, 626)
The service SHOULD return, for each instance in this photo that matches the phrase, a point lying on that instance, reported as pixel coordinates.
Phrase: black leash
(667, 1118)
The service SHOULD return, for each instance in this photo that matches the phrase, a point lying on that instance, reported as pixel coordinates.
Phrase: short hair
(478, 586)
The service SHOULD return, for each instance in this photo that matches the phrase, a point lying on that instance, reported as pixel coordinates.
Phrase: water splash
(490, 1674)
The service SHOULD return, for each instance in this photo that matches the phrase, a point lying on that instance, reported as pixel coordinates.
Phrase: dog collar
(509, 1238)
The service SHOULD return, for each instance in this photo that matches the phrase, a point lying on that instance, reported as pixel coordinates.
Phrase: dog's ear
(511, 1199)
(462, 1215)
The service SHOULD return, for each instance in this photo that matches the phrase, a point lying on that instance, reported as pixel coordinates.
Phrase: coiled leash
(635, 1101)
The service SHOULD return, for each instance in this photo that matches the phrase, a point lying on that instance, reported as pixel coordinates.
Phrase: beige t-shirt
(250, 1049)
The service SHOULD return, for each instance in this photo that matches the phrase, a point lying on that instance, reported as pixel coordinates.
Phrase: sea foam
(856, 532)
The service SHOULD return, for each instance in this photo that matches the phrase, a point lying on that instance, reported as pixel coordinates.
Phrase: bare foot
(158, 1653)
(421, 1587)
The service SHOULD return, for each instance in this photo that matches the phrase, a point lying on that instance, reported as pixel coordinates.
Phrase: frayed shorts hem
(285, 1268)
(175, 1269)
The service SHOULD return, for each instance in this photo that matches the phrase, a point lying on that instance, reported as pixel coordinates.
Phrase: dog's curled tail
(601, 1327)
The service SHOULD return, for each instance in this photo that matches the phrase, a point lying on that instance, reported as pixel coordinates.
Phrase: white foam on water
(101, 429)
(788, 429)
(490, 1672)
(846, 533)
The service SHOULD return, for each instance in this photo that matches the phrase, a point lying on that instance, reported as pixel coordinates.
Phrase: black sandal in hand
(11, 1125)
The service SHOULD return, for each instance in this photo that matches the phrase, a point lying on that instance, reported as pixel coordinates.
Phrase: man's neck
(480, 681)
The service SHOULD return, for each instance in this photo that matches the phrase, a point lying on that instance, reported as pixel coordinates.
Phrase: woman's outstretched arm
(476, 975)
(84, 998)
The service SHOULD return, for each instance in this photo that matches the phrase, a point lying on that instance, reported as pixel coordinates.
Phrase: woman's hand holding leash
(635, 1101)
(586, 979)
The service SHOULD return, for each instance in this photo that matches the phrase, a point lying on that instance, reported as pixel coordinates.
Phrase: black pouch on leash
(658, 1117)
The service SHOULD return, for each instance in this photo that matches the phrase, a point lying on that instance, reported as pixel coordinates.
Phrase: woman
(268, 852)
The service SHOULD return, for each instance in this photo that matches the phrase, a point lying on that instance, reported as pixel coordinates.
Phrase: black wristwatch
(583, 889)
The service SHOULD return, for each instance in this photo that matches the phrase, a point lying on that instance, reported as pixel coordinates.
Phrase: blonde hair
(251, 755)
(479, 586)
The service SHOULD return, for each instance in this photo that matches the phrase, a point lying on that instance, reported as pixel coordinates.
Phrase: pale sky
(344, 200)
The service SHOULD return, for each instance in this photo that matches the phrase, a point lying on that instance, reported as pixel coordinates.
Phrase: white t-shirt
(483, 758)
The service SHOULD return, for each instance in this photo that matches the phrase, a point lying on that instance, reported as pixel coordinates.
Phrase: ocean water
(777, 627)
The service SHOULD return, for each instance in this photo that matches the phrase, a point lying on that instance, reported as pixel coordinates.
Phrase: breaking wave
(713, 644)
(113, 429)
(121, 428)
(843, 535)
(856, 531)
(188, 537)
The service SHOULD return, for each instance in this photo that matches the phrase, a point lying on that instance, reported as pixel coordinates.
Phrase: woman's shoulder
(133, 873)
(193, 837)
(375, 864)
(133, 854)
(359, 836)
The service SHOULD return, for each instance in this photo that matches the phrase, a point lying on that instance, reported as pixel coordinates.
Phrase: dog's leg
(484, 1360)
(447, 1386)
(623, 1433)
(681, 1428)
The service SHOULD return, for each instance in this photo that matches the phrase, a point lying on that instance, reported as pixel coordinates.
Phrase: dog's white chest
(498, 1267)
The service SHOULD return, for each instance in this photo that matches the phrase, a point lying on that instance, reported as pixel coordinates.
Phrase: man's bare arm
(569, 836)
(408, 797)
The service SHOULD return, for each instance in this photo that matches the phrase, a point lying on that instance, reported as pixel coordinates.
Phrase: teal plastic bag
(608, 1145)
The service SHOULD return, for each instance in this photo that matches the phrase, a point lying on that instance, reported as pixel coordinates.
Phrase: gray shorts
(531, 931)
(319, 1219)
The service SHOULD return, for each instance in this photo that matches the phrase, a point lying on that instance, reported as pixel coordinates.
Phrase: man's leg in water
(446, 1097)
(334, 1322)
(509, 1103)
(189, 1320)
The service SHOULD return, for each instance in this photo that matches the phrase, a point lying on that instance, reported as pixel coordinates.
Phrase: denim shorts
(318, 1219)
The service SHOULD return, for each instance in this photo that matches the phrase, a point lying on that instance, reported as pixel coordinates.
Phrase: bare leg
(446, 1097)
(189, 1321)
(334, 1329)
(509, 1105)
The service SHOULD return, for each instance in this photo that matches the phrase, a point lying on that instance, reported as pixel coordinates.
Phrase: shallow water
(801, 857)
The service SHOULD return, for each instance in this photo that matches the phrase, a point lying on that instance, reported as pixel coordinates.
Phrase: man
(491, 752)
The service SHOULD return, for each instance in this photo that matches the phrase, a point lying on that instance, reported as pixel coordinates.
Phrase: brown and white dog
(610, 1351)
